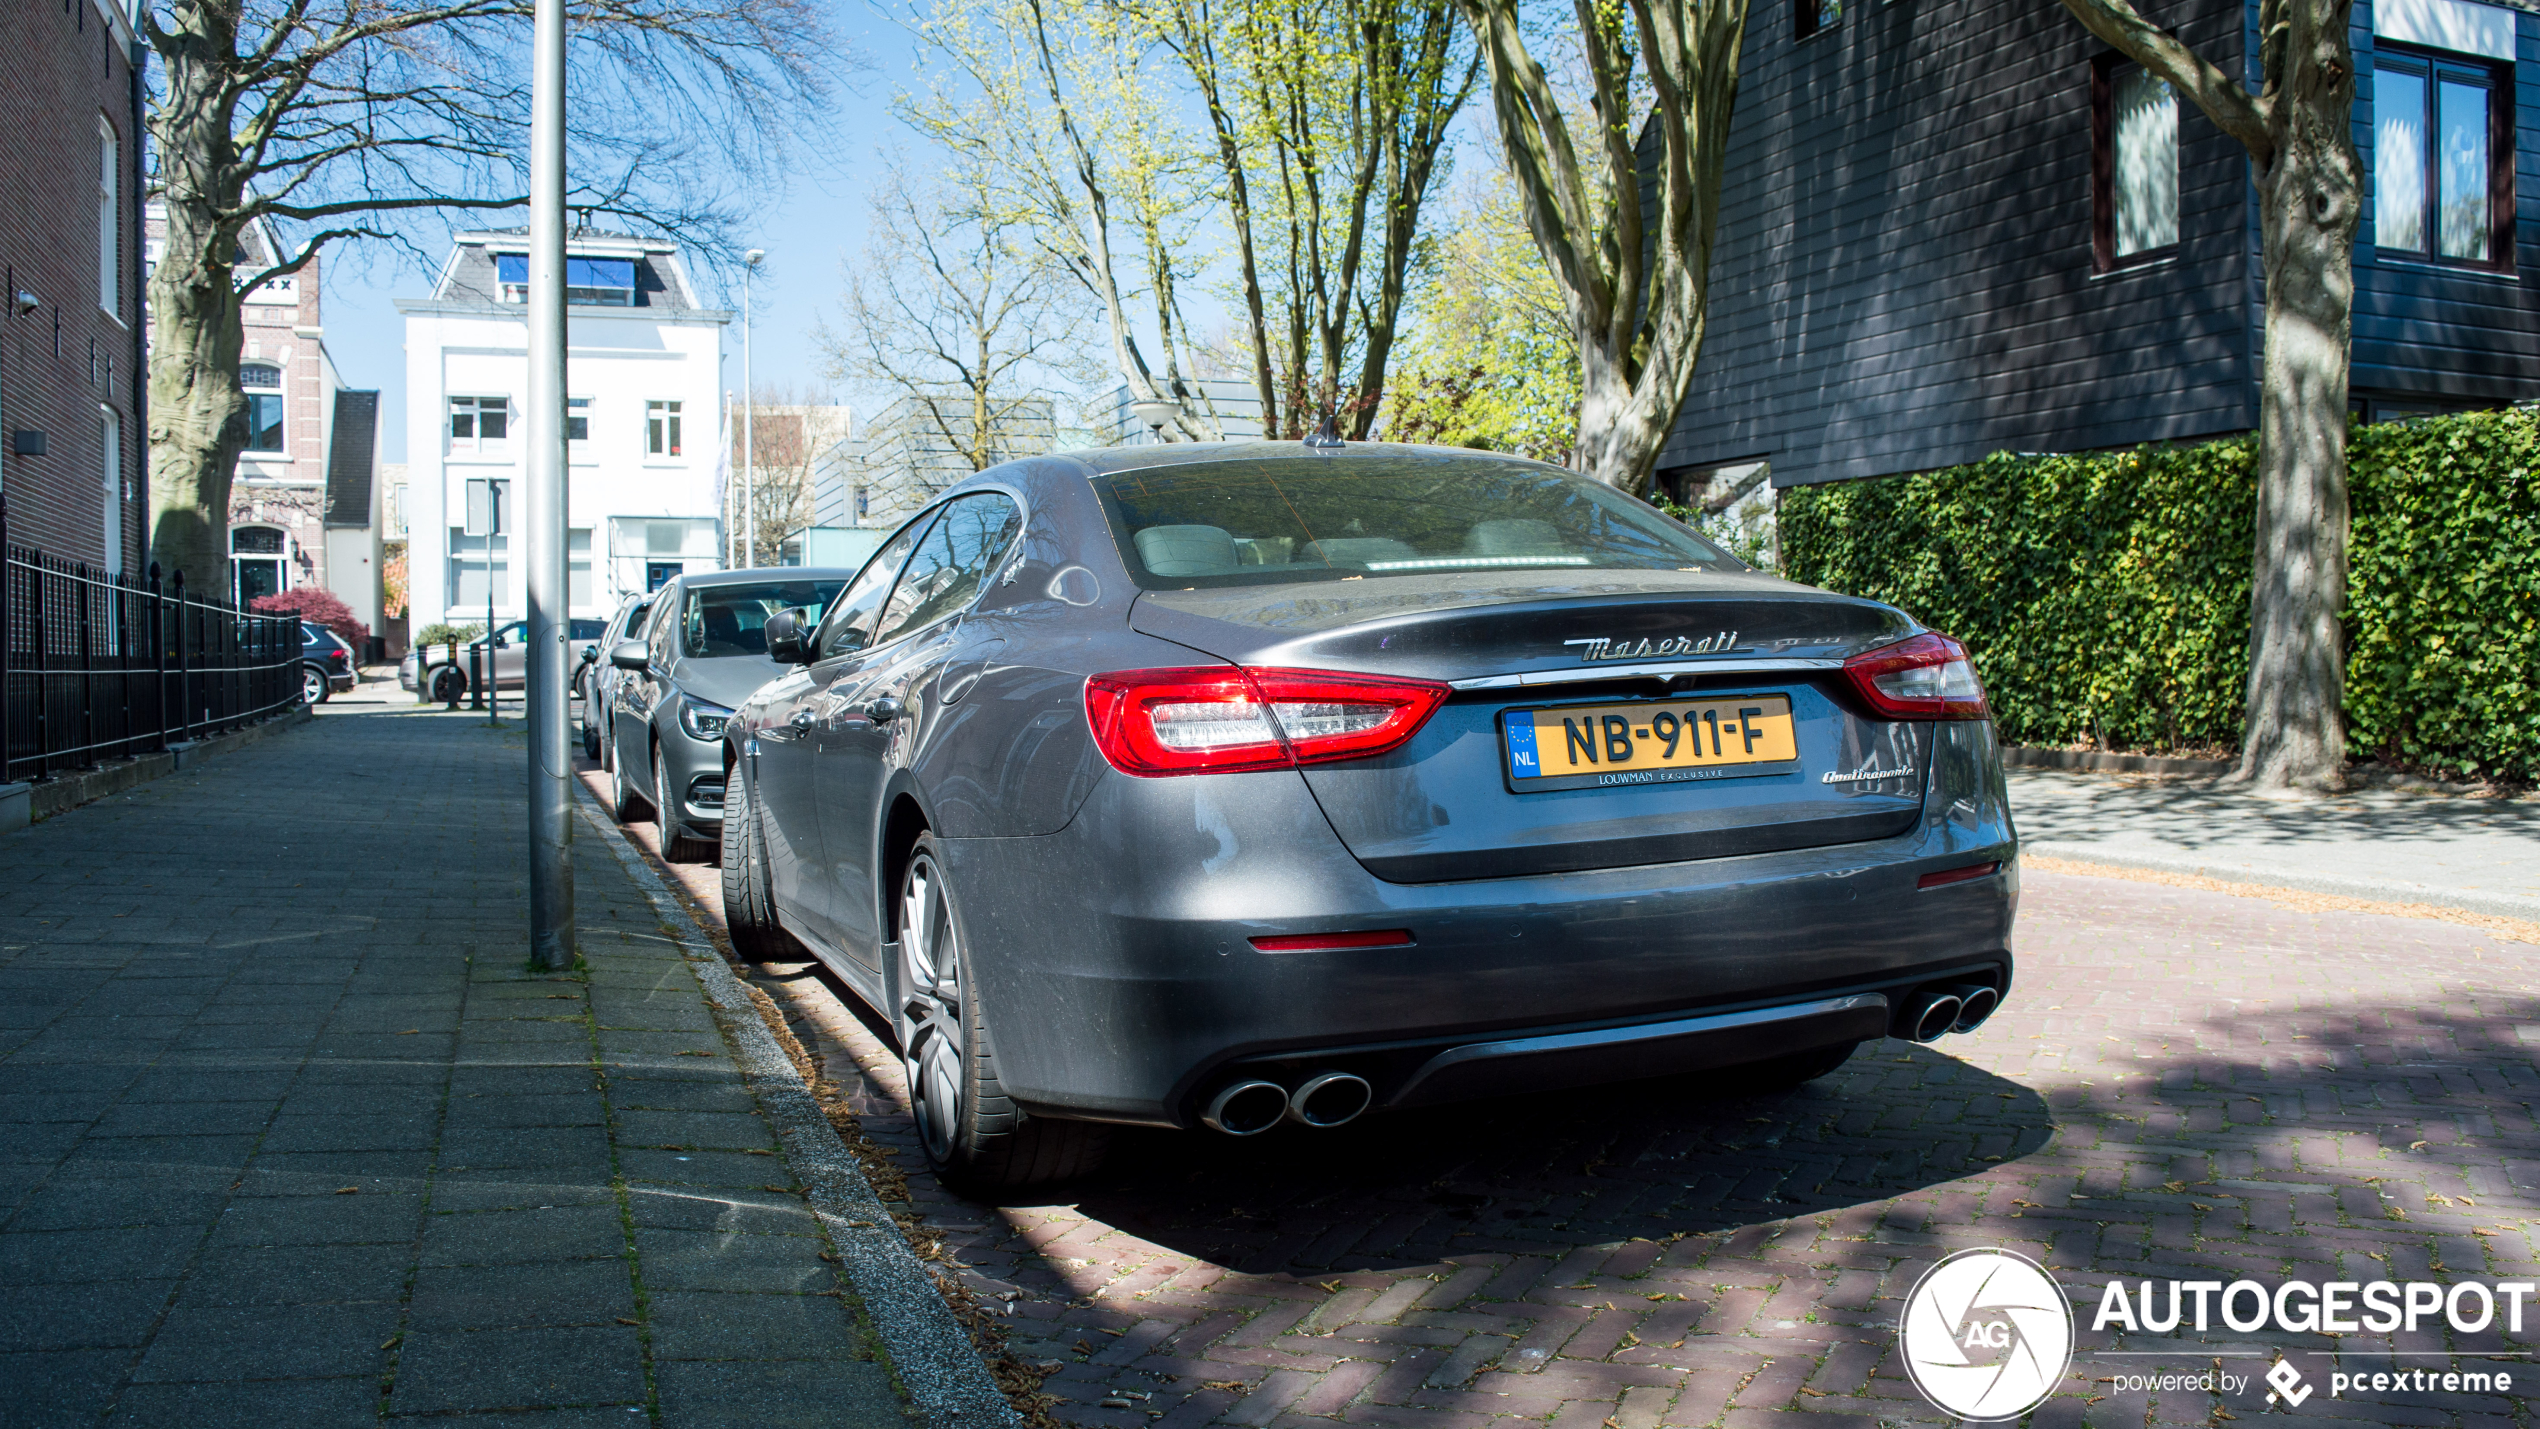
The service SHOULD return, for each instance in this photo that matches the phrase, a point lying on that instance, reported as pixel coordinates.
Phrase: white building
(1233, 403)
(643, 370)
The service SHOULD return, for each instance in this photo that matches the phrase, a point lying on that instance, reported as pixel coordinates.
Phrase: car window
(850, 624)
(586, 629)
(951, 564)
(1273, 521)
(718, 621)
(513, 633)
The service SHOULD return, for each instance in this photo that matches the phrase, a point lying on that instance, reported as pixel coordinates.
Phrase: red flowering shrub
(322, 606)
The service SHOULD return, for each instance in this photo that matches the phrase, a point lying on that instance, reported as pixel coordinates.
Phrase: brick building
(71, 429)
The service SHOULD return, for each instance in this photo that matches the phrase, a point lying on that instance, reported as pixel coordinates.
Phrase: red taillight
(1925, 676)
(1318, 942)
(1220, 719)
(1948, 876)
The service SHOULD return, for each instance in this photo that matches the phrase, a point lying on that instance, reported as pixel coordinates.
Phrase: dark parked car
(702, 651)
(1225, 785)
(595, 680)
(326, 663)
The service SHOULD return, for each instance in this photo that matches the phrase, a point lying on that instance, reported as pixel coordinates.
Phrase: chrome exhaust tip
(1246, 1108)
(1975, 1003)
(1930, 1014)
(1329, 1098)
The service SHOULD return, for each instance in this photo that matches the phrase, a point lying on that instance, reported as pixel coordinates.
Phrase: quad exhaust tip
(1329, 1098)
(1975, 1003)
(1246, 1108)
(1930, 1013)
(1251, 1107)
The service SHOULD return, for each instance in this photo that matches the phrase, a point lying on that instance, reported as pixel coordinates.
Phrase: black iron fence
(96, 666)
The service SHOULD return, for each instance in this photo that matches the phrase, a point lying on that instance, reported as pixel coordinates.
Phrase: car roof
(1109, 461)
(764, 575)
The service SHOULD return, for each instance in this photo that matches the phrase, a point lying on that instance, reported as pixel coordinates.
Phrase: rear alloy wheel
(313, 688)
(975, 1137)
(749, 913)
(676, 847)
(625, 805)
(448, 684)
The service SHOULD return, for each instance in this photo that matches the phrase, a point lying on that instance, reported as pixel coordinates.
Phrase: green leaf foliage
(2105, 597)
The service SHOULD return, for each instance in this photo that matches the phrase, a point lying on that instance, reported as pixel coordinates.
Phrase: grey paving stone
(515, 1191)
(91, 1315)
(197, 1343)
(69, 1257)
(495, 1297)
(443, 1370)
(619, 1044)
(369, 1218)
(478, 1079)
(713, 1131)
(662, 1094)
(704, 1168)
(702, 1209)
(298, 1275)
(142, 1118)
(16, 1110)
(579, 1148)
(481, 1112)
(50, 1389)
(175, 1086)
(708, 1325)
(600, 1416)
(342, 1167)
(122, 1201)
(264, 1404)
(409, 1132)
(511, 1237)
(783, 1394)
(45, 1140)
(725, 1260)
(128, 1155)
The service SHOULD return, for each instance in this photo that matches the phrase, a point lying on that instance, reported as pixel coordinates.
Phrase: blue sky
(816, 220)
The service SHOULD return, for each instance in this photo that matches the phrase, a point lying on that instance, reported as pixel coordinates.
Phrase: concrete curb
(932, 1353)
(24, 804)
(2025, 757)
(2494, 905)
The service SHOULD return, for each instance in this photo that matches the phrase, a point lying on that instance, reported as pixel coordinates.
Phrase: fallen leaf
(1115, 1332)
(1225, 1386)
(1812, 1393)
(2482, 1230)
(2198, 1206)
(625, 1321)
(2416, 1146)
(1330, 1287)
(2173, 1187)
(696, 1054)
(1084, 1347)
(348, 1190)
(391, 1342)
(409, 1032)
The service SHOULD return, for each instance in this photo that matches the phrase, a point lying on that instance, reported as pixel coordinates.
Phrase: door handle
(883, 710)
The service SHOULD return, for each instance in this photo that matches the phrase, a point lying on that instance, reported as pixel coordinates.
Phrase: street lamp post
(551, 943)
(1155, 412)
(749, 396)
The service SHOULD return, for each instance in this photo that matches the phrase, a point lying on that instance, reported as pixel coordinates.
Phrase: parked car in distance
(1233, 786)
(595, 679)
(511, 655)
(326, 663)
(701, 653)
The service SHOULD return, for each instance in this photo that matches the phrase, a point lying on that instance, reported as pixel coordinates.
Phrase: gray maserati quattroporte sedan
(1232, 785)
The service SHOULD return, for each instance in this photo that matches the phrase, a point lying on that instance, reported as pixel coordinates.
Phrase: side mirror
(785, 638)
(631, 655)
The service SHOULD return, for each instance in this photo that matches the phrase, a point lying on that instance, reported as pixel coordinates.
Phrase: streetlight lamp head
(1155, 412)
(753, 256)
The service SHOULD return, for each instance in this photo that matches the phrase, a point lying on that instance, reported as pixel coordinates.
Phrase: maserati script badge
(1607, 648)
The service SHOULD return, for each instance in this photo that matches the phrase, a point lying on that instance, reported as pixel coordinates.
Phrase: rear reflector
(1957, 875)
(1315, 942)
(1221, 719)
(1926, 676)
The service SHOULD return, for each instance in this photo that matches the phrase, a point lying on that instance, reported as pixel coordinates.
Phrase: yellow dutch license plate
(1649, 742)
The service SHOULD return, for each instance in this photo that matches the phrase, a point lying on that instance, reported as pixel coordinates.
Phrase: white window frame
(110, 440)
(474, 408)
(109, 220)
(280, 393)
(669, 412)
(577, 409)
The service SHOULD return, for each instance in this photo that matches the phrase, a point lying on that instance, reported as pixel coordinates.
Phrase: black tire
(676, 846)
(590, 736)
(313, 686)
(975, 1138)
(625, 805)
(448, 684)
(1780, 1074)
(749, 913)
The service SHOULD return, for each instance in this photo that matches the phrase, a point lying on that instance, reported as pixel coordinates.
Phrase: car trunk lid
(1623, 645)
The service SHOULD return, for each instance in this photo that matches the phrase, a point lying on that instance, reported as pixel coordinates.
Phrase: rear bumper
(1114, 959)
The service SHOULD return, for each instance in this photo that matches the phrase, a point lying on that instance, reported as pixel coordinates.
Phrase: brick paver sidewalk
(290, 1136)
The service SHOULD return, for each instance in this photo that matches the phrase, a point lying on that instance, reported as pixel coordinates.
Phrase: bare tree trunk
(2294, 733)
(198, 415)
(2296, 128)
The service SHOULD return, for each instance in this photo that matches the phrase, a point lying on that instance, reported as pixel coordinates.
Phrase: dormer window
(588, 282)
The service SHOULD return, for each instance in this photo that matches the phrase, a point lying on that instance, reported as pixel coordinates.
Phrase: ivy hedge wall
(2106, 596)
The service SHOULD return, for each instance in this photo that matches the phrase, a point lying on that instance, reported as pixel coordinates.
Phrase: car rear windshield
(1330, 518)
(732, 619)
